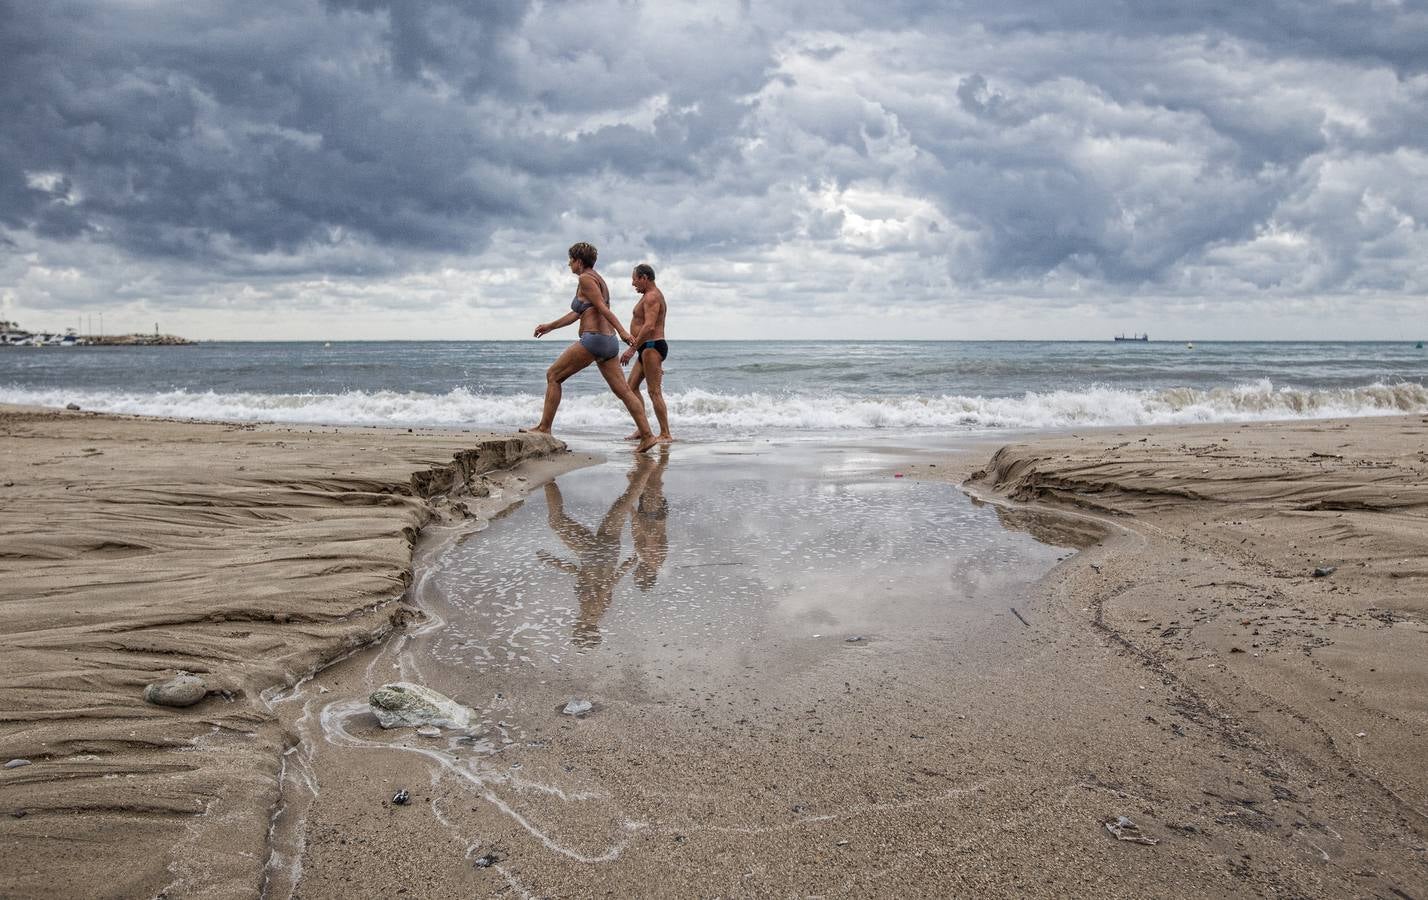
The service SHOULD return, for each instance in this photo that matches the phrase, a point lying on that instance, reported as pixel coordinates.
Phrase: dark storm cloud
(212, 132)
(1260, 146)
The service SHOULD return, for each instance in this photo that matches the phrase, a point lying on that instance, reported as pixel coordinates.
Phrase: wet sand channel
(771, 641)
(740, 744)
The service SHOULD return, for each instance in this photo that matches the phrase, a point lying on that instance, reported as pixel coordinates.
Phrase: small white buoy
(1189, 346)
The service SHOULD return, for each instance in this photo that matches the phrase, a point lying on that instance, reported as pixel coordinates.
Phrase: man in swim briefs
(648, 348)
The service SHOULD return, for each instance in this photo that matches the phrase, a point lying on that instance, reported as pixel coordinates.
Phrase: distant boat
(1135, 337)
(1419, 345)
(1189, 346)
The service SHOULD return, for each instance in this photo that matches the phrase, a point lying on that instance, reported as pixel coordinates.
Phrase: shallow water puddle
(694, 599)
(689, 555)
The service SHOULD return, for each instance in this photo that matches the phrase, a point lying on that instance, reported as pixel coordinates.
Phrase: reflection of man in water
(599, 568)
(649, 522)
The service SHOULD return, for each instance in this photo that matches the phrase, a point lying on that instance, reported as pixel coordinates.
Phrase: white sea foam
(703, 410)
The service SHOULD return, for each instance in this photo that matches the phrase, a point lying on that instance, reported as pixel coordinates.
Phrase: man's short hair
(645, 270)
(584, 252)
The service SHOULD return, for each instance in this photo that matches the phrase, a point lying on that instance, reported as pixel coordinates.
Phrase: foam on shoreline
(697, 409)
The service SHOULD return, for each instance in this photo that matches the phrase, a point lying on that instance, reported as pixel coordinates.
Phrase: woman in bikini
(597, 344)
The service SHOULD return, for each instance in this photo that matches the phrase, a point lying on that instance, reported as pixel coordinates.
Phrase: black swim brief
(659, 347)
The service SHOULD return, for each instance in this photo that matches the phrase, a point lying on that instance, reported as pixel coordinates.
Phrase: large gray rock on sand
(405, 705)
(181, 690)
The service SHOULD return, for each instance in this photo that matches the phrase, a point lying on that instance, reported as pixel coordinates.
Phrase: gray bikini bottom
(601, 346)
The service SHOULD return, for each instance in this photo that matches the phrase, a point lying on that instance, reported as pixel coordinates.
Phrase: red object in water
(897, 474)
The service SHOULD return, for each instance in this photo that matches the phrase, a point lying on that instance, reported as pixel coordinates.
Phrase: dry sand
(1183, 669)
(135, 548)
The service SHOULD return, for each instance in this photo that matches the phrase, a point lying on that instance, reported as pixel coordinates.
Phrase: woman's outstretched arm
(558, 323)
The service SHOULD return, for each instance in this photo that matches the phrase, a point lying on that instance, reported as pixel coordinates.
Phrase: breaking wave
(747, 412)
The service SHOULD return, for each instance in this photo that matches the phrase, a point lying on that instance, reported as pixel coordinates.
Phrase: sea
(724, 389)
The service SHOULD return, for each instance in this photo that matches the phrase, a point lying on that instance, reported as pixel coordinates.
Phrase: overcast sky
(979, 169)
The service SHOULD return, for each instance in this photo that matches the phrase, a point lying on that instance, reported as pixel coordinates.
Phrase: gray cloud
(173, 154)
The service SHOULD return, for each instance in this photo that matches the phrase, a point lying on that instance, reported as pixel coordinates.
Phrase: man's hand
(626, 356)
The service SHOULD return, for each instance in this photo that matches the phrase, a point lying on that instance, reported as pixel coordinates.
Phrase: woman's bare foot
(646, 443)
(665, 439)
(632, 436)
(535, 429)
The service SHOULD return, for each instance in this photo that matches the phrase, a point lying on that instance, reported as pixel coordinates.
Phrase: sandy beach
(1163, 651)
(250, 555)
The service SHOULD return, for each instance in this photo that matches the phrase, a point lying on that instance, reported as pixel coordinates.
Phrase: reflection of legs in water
(649, 525)
(599, 568)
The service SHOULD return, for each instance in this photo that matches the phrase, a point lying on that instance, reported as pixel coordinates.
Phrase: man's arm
(654, 312)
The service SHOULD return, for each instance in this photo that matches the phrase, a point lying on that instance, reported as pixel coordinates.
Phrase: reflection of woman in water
(649, 525)
(599, 568)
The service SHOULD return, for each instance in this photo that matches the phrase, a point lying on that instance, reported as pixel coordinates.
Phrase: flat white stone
(402, 704)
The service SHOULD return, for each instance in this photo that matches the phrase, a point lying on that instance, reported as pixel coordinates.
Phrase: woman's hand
(542, 329)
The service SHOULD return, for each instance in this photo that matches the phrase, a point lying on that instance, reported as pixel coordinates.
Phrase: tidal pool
(700, 554)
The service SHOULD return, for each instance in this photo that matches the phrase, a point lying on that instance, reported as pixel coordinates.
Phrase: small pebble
(486, 862)
(429, 731)
(577, 707)
(17, 763)
(402, 798)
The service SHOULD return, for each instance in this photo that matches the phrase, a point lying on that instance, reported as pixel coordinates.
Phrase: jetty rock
(405, 705)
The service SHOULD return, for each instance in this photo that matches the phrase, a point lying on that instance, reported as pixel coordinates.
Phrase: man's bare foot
(646, 443)
(665, 439)
(535, 429)
(632, 436)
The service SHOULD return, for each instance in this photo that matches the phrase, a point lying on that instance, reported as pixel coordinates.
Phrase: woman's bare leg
(568, 363)
(615, 378)
(637, 374)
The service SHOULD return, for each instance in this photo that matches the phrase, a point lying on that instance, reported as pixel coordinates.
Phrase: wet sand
(976, 750)
(959, 749)
(136, 548)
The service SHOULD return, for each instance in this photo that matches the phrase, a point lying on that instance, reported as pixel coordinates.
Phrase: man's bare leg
(568, 363)
(653, 372)
(615, 378)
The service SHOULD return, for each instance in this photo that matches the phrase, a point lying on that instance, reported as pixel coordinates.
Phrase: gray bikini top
(579, 306)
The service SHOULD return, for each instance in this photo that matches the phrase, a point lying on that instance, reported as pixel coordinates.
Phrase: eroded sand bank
(134, 548)
(1274, 578)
